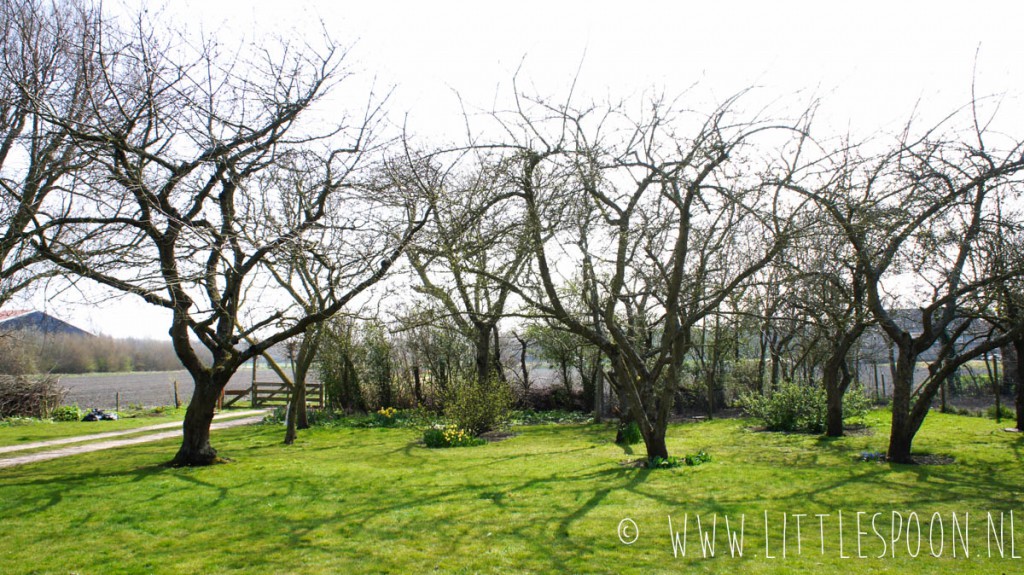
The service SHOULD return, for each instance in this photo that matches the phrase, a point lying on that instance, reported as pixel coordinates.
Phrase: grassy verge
(17, 431)
(551, 499)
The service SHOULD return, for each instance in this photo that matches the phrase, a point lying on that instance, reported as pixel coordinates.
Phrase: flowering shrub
(478, 407)
(449, 436)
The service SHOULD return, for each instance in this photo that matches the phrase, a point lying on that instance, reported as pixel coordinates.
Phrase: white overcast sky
(871, 63)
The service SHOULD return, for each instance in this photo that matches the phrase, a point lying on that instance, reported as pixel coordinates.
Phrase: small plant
(440, 436)
(66, 413)
(663, 462)
(876, 456)
(671, 461)
(701, 457)
(324, 417)
(16, 421)
(383, 417)
(629, 434)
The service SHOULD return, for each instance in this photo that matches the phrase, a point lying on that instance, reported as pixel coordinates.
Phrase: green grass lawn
(15, 432)
(551, 499)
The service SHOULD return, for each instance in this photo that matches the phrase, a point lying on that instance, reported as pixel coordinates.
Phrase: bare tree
(177, 212)
(350, 240)
(682, 222)
(830, 296)
(472, 251)
(46, 71)
(1000, 252)
(919, 212)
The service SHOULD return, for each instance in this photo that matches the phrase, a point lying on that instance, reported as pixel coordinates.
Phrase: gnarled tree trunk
(195, 447)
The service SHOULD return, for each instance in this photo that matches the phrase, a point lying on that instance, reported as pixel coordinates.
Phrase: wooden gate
(270, 393)
(277, 393)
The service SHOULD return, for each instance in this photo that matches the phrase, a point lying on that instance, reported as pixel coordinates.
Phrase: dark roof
(15, 320)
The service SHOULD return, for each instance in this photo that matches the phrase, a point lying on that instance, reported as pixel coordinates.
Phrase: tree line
(160, 166)
(26, 353)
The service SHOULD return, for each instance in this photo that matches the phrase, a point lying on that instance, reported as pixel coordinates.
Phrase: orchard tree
(1001, 251)
(831, 296)
(174, 209)
(681, 219)
(915, 216)
(317, 269)
(472, 250)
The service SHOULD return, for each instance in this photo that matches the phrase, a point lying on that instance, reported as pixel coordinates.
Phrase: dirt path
(108, 434)
(240, 419)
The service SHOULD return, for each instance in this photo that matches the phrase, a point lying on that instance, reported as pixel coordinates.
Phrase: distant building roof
(12, 313)
(14, 320)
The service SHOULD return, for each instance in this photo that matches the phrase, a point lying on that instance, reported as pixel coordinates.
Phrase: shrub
(29, 397)
(478, 407)
(629, 434)
(1004, 412)
(438, 436)
(800, 408)
(856, 404)
(278, 415)
(385, 417)
(66, 413)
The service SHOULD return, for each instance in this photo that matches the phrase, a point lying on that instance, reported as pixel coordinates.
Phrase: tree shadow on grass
(46, 490)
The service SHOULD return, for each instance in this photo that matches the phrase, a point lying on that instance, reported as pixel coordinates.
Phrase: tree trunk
(1018, 352)
(902, 434)
(522, 365)
(834, 413)
(709, 384)
(498, 368)
(776, 357)
(762, 361)
(300, 371)
(195, 447)
(900, 443)
(483, 353)
(654, 440)
(833, 401)
(836, 377)
(290, 417)
(302, 415)
(563, 366)
(417, 385)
